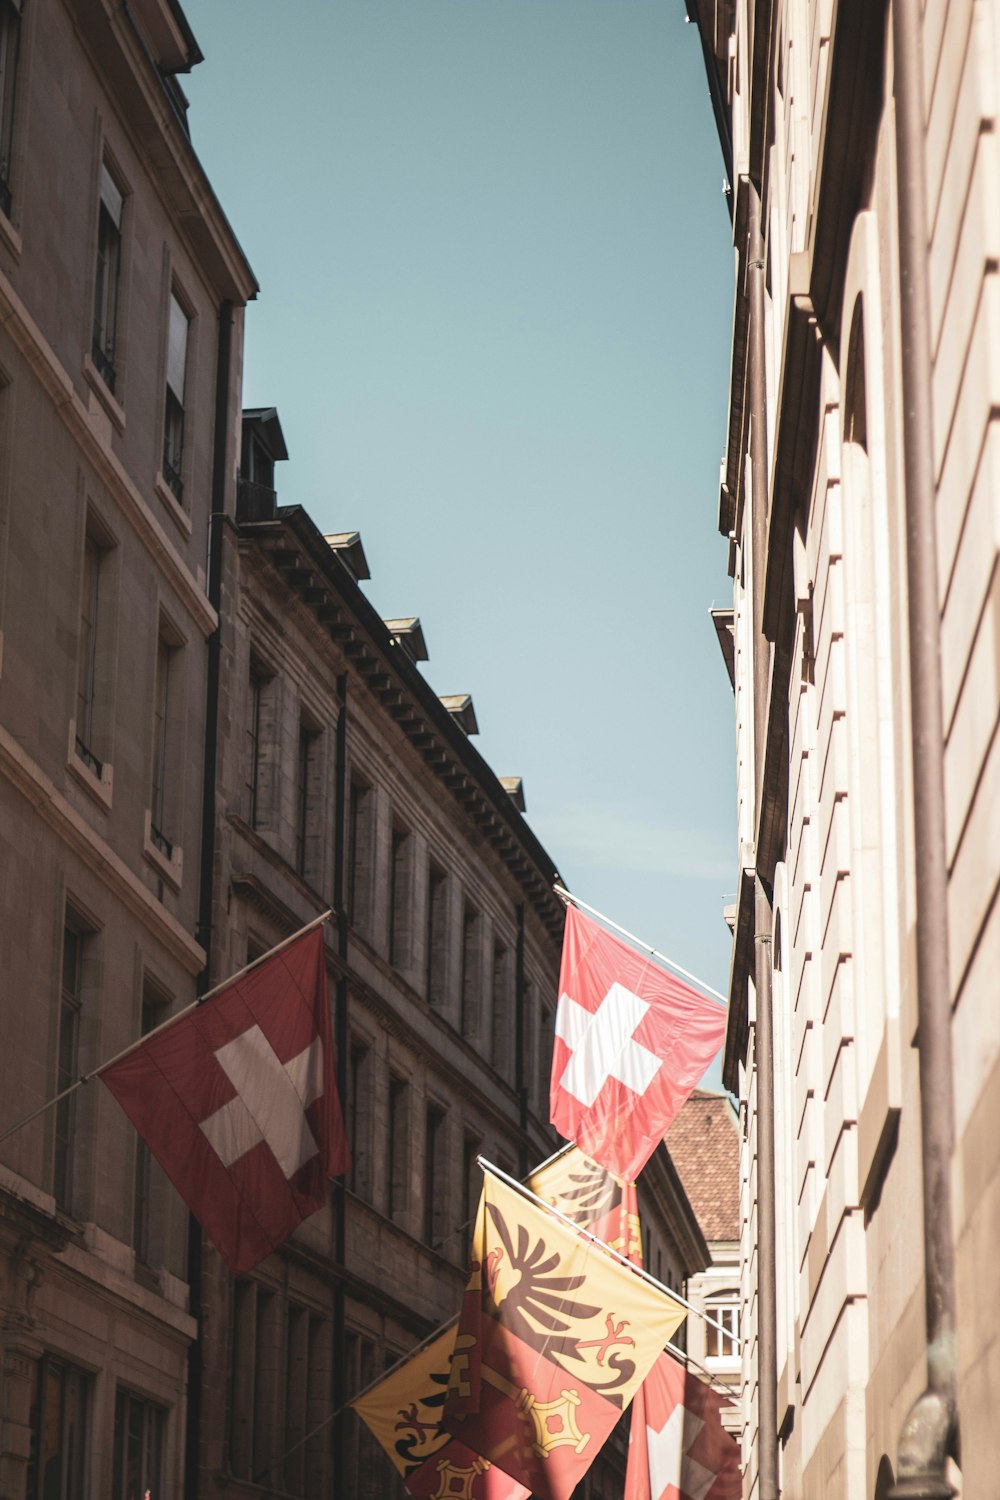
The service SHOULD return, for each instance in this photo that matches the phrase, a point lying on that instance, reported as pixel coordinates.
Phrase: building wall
(93, 1262)
(850, 1294)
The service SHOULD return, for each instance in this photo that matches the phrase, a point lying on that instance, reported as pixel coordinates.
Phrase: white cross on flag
(631, 1043)
(238, 1103)
(678, 1447)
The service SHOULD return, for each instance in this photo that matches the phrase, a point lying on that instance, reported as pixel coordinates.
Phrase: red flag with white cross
(678, 1448)
(631, 1043)
(237, 1102)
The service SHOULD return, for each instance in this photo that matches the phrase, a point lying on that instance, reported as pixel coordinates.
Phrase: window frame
(153, 1441)
(39, 1425)
(175, 400)
(108, 265)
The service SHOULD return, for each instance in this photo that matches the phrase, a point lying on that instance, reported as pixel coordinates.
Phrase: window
(308, 1398)
(256, 1347)
(10, 39)
(304, 792)
(149, 1182)
(70, 1005)
(57, 1465)
(359, 1118)
(723, 1348)
(280, 1391)
(178, 326)
(399, 1106)
(470, 972)
(108, 274)
(164, 694)
(472, 1182)
(437, 921)
(530, 1064)
(399, 898)
(436, 1224)
(545, 1034)
(369, 1473)
(92, 665)
(260, 719)
(139, 1428)
(359, 852)
(501, 1008)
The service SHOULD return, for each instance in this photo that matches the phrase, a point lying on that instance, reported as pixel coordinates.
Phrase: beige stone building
(121, 295)
(859, 502)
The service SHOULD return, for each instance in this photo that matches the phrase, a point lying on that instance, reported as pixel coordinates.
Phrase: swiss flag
(679, 1449)
(631, 1043)
(238, 1104)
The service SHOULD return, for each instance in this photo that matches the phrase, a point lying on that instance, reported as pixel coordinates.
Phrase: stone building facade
(119, 281)
(859, 503)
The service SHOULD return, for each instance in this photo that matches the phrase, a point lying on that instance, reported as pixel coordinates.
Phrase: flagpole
(568, 896)
(712, 1381)
(170, 1021)
(615, 1254)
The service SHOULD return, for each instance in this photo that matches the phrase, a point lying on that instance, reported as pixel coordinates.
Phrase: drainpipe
(767, 1338)
(340, 1038)
(206, 884)
(930, 1432)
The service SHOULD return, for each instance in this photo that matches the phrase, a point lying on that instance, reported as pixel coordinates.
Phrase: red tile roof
(704, 1144)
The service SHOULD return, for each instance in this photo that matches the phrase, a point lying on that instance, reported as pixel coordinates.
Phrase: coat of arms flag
(631, 1043)
(594, 1198)
(554, 1338)
(404, 1412)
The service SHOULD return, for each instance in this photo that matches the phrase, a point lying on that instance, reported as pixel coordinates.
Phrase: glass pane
(111, 196)
(177, 335)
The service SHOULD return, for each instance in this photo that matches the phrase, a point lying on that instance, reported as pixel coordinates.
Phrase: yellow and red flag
(404, 1413)
(594, 1198)
(554, 1338)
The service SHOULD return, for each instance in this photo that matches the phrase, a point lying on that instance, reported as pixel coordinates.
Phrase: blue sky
(495, 311)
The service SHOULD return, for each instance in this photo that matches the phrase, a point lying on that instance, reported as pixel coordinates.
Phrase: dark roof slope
(705, 1145)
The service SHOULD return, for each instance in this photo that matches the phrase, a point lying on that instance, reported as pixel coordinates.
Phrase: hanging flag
(554, 1337)
(631, 1043)
(594, 1198)
(679, 1449)
(404, 1412)
(238, 1103)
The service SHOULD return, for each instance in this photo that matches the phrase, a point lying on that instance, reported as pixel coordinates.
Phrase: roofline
(456, 744)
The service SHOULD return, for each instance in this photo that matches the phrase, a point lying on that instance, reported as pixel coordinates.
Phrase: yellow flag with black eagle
(554, 1338)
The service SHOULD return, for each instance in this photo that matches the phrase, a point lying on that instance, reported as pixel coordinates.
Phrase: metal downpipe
(767, 1342)
(930, 1431)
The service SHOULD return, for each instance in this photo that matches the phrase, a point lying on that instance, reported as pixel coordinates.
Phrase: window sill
(94, 378)
(174, 508)
(9, 236)
(172, 869)
(100, 786)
